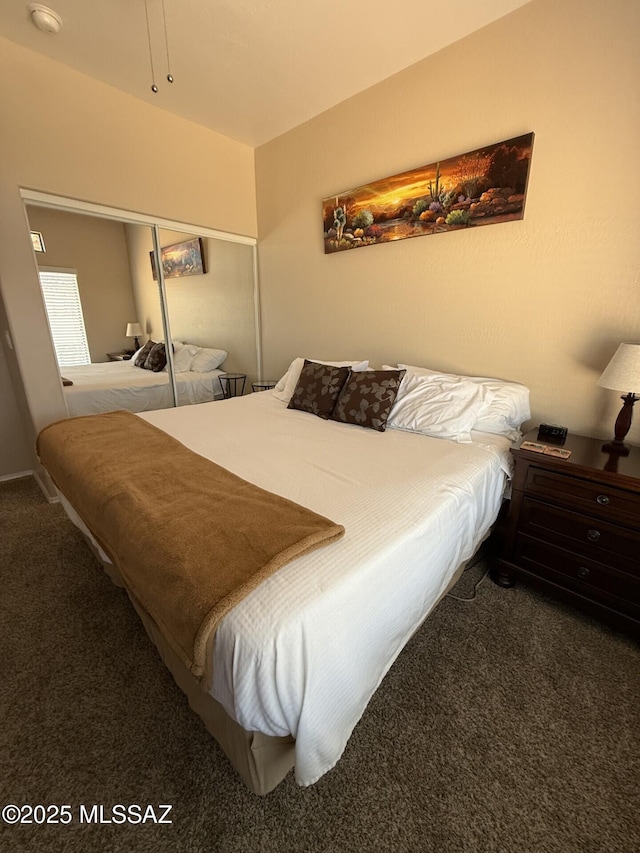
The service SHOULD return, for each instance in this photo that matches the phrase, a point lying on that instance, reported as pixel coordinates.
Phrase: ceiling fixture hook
(166, 44)
(154, 87)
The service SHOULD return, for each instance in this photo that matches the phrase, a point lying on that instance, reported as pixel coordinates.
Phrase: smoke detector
(44, 18)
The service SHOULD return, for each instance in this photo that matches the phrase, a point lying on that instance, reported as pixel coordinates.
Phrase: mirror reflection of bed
(90, 389)
(210, 313)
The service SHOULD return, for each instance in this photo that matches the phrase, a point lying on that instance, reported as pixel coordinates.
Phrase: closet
(211, 300)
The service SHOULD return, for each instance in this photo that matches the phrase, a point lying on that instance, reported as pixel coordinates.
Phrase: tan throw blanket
(189, 538)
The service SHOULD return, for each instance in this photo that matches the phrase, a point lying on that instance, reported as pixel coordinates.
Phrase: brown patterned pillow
(318, 388)
(143, 353)
(157, 358)
(367, 397)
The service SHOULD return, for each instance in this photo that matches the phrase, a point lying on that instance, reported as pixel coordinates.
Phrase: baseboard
(19, 475)
(53, 499)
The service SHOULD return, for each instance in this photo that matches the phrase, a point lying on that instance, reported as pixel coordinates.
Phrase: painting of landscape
(180, 259)
(482, 187)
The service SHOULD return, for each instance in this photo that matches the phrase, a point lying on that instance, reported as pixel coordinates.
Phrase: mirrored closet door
(210, 298)
(116, 289)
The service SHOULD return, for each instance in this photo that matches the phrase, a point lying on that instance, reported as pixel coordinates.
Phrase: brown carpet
(509, 724)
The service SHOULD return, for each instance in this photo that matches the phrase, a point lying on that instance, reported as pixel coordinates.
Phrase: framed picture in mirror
(181, 259)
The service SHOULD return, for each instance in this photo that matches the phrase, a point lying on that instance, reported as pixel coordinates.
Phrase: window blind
(64, 310)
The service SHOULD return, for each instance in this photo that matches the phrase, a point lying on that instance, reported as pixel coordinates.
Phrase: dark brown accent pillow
(318, 388)
(144, 352)
(157, 358)
(367, 397)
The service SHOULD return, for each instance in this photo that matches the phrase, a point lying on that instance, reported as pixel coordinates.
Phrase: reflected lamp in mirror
(623, 374)
(133, 331)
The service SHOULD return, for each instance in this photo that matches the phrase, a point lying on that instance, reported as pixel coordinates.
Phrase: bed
(104, 387)
(290, 669)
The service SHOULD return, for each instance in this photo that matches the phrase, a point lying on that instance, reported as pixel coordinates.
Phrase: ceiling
(249, 69)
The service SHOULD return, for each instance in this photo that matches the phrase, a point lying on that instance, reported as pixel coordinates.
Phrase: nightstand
(264, 385)
(232, 384)
(119, 356)
(573, 528)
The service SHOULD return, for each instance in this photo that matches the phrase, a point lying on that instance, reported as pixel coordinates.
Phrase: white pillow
(437, 406)
(207, 359)
(287, 384)
(503, 411)
(183, 357)
(132, 360)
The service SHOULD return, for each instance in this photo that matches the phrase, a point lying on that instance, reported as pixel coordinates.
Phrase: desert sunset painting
(481, 187)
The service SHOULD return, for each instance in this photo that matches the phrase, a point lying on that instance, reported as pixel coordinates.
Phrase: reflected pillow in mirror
(141, 356)
(183, 357)
(157, 358)
(207, 358)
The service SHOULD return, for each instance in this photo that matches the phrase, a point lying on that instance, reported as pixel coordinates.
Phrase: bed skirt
(262, 761)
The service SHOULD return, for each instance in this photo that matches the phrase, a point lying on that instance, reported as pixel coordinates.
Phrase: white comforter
(304, 653)
(105, 387)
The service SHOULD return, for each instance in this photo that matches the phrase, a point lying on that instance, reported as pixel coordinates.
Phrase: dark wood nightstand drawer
(595, 498)
(574, 528)
(579, 574)
(613, 545)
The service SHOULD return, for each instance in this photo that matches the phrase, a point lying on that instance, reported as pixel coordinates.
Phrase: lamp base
(618, 447)
(623, 423)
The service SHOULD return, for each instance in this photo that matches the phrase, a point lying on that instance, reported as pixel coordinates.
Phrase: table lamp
(133, 330)
(623, 374)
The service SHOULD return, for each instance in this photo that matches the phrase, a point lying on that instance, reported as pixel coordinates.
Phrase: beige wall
(97, 250)
(544, 300)
(217, 309)
(145, 289)
(15, 456)
(67, 134)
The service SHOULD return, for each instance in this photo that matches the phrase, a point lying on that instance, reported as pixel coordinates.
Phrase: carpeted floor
(509, 724)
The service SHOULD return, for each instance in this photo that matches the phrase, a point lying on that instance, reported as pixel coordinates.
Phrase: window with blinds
(64, 310)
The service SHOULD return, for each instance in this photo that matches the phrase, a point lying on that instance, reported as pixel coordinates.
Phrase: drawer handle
(603, 500)
(593, 535)
(583, 572)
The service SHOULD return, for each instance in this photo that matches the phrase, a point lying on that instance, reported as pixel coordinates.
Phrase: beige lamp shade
(623, 371)
(133, 330)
